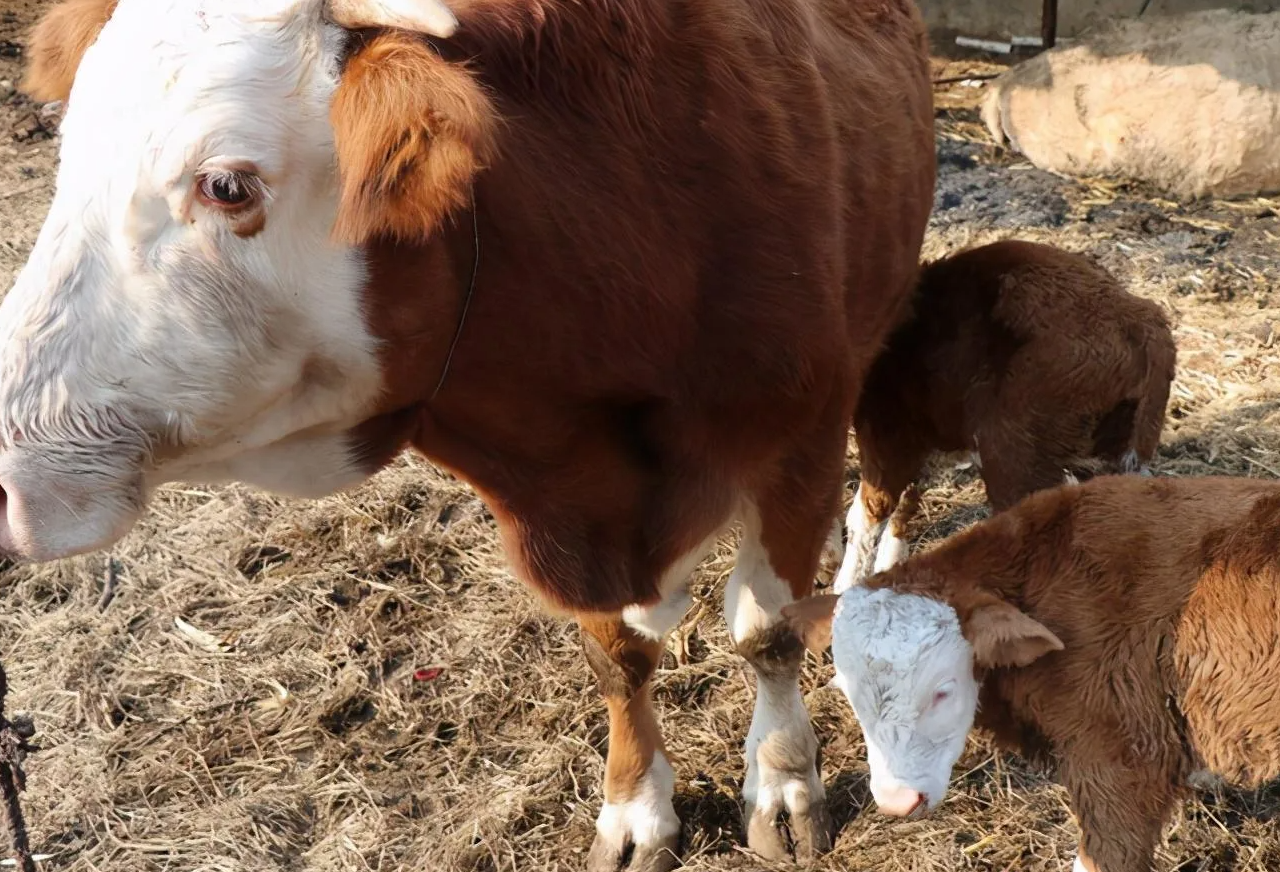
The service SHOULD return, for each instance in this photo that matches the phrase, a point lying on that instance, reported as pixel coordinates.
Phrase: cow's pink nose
(900, 801)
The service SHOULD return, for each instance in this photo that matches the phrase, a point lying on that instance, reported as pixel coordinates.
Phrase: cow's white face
(907, 670)
(184, 313)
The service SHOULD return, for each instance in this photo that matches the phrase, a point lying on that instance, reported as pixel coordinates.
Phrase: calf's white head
(186, 312)
(908, 666)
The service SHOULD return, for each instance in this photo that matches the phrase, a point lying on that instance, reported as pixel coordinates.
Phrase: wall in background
(995, 19)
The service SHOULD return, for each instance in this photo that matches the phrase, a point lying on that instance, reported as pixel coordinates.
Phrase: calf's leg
(1121, 807)
(894, 547)
(1016, 462)
(887, 469)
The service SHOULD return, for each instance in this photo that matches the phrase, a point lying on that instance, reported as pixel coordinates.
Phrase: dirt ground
(357, 683)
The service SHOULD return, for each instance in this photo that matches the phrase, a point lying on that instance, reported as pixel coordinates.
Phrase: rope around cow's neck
(466, 301)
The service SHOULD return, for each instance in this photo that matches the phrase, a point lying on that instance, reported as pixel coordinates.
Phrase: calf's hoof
(607, 855)
(802, 833)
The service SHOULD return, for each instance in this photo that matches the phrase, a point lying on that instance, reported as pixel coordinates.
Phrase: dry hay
(358, 684)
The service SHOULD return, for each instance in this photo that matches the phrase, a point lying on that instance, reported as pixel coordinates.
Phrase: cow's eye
(228, 189)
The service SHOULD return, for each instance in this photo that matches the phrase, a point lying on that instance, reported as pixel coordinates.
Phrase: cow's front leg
(782, 778)
(638, 815)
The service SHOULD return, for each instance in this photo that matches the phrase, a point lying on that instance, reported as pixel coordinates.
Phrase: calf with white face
(910, 670)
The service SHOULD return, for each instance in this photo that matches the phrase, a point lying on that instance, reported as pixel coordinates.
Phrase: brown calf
(1125, 631)
(1032, 357)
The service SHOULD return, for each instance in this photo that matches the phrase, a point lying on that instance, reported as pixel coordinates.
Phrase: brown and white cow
(620, 265)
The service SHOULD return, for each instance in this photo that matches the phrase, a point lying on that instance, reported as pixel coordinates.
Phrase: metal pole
(1049, 23)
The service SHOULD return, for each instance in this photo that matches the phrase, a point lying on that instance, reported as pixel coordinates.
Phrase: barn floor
(357, 684)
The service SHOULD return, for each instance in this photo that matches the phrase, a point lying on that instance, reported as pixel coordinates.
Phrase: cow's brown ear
(57, 44)
(411, 131)
(1003, 635)
(810, 619)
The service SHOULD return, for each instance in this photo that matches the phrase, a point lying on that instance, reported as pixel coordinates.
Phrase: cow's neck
(415, 296)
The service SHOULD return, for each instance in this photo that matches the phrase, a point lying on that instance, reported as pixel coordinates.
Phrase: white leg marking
(859, 555)
(781, 752)
(646, 819)
(781, 747)
(658, 620)
(892, 551)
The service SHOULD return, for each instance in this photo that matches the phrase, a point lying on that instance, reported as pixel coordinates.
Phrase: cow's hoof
(608, 856)
(803, 834)
(811, 832)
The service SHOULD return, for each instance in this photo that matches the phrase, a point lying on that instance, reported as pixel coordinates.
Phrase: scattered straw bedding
(358, 684)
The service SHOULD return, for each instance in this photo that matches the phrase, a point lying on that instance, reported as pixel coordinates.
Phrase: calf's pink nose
(900, 801)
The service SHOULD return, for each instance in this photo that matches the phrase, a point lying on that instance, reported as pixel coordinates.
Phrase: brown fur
(1030, 354)
(1163, 593)
(630, 361)
(810, 620)
(412, 131)
(623, 662)
(689, 254)
(697, 222)
(57, 44)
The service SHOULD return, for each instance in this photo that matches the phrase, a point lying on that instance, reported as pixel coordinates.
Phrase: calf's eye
(942, 694)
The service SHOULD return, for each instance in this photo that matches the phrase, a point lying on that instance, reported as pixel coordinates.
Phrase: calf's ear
(58, 43)
(1002, 635)
(810, 619)
(431, 17)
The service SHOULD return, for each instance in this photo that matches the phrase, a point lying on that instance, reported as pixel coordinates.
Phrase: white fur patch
(646, 819)
(431, 17)
(754, 595)
(657, 621)
(907, 670)
(781, 748)
(1078, 865)
(145, 341)
(891, 551)
(860, 553)
(784, 774)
